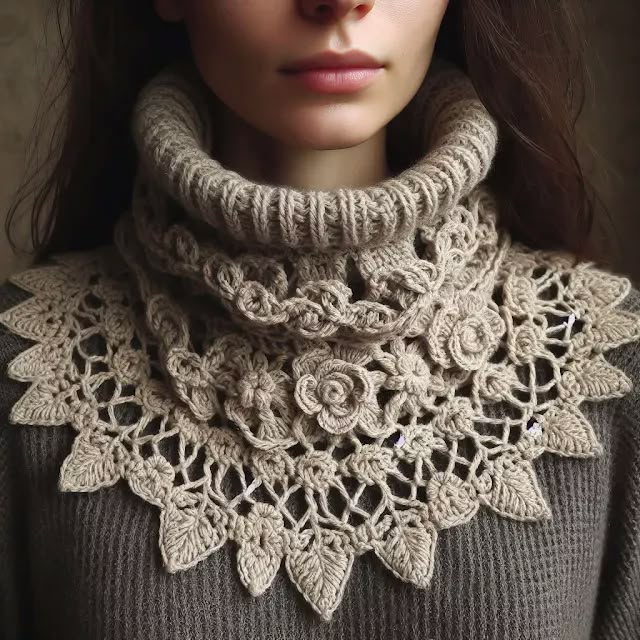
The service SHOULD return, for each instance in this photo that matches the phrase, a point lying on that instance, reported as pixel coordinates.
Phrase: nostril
(324, 11)
(335, 9)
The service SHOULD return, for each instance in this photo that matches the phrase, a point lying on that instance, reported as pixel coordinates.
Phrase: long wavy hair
(524, 57)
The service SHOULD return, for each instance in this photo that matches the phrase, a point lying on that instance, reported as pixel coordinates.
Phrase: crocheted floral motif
(465, 333)
(309, 456)
(258, 393)
(338, 391)
(409, 375)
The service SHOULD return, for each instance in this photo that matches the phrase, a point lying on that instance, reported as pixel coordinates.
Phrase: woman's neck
(256, 156)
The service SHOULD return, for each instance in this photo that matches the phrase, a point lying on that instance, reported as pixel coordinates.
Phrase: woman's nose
(332, 10)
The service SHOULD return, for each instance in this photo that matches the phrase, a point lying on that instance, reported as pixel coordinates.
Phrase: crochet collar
(317, 375)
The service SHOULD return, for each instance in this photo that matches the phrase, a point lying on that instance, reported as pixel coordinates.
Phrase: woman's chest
(97, 573)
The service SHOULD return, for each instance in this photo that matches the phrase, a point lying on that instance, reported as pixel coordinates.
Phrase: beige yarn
(173, 151)
(316, 375)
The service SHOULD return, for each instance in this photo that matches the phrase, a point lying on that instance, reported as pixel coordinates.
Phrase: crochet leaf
(55, 281)
(596, 379)
(189, 534)
(45, 403)
(615, 328)
(91, 464)
(515, 492)
(408, 550)
(38, 318)
(40, 361)
(595, 289)
(261, 539)
(151, 479)
(568, 433)
(320, 566)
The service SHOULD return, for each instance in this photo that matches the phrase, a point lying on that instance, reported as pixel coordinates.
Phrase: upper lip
(335, 60)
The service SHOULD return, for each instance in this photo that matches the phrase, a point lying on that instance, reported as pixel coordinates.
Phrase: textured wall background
(612, 122)
(23, 58)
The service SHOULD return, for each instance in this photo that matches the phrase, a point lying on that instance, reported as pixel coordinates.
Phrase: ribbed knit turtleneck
(173, 132)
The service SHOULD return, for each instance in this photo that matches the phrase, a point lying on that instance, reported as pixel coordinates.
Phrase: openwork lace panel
(360, 386)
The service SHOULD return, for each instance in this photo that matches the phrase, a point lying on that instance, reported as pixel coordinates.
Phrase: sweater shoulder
(11, 345)
(627, 359)
(32, 302)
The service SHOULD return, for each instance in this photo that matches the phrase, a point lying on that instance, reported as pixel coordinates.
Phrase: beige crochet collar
(317, 375)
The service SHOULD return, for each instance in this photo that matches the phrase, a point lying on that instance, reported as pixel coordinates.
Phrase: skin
(272, 130)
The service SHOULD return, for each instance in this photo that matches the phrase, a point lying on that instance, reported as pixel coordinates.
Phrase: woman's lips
(338, 80)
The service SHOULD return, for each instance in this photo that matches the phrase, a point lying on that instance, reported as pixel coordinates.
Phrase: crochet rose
(465, 334)
(340, 394)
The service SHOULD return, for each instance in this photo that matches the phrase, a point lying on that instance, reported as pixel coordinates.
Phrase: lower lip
(335, 80)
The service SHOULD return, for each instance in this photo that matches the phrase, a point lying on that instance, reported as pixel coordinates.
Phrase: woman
(309, 291)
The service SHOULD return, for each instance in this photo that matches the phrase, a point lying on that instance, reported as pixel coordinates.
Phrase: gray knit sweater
(86, 566)
(359, 414)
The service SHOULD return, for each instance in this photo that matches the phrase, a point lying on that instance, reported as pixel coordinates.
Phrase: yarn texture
(312, 376)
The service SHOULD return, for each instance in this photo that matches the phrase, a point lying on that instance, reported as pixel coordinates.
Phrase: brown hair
(525, 58)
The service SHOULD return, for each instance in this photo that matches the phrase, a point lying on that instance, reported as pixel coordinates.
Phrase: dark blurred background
(611, 122)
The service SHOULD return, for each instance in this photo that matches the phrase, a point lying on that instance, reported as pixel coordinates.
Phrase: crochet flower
(259, 401)
(340, 394)
(369, 464)
(527, 343)
(454, 418)
(465, 334)
(410, 376)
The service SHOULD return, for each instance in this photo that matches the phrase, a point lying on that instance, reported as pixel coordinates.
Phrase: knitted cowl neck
(313, 375)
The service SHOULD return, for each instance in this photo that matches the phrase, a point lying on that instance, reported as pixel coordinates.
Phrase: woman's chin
(330, 130)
